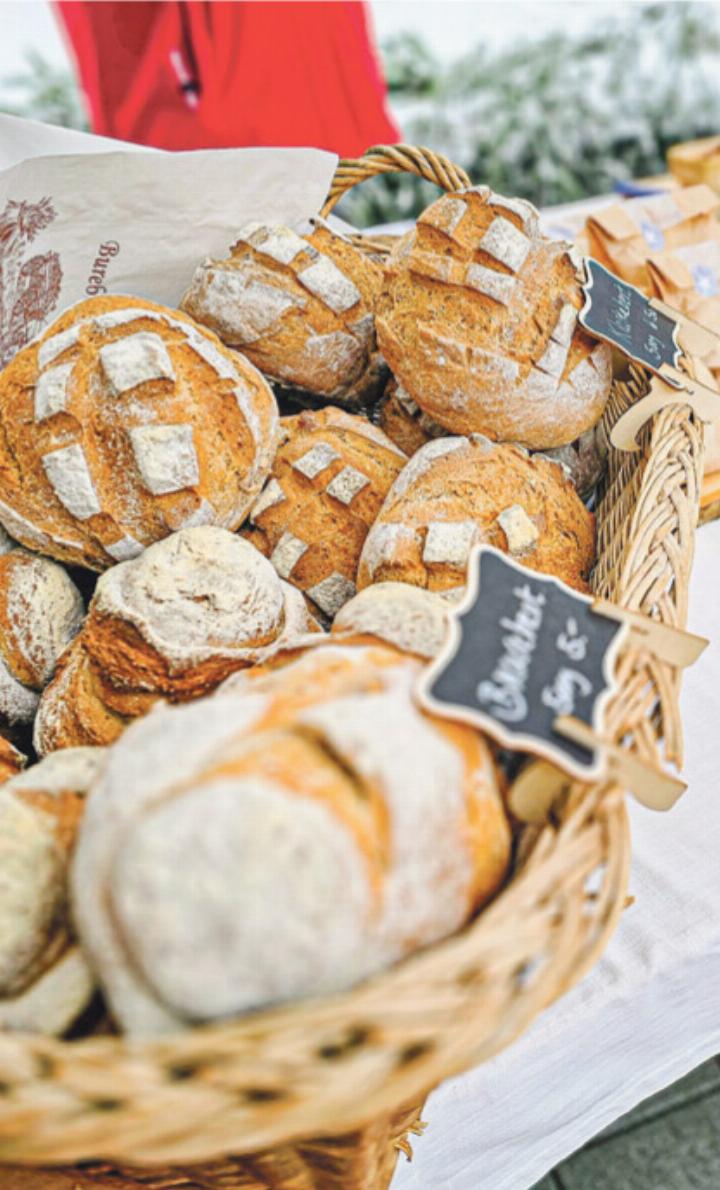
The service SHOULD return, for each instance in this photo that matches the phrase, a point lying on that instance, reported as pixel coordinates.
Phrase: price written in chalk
(624, 317)
(525, 649)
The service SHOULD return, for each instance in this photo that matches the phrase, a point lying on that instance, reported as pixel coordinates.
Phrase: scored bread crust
(459, 492)
(478, 322)
(173, 624)
(307, 826)
(331, 474)
(124, 422)
(300, 307)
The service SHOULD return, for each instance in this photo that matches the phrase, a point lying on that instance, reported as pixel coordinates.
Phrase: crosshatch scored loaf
(124, 423)
(300, 307)
(331, 474)
(308, 825)
(458, 492)
(172, 624)
(478, 322)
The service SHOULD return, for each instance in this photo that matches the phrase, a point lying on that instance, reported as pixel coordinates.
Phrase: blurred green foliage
(44, 92)
(559, 118)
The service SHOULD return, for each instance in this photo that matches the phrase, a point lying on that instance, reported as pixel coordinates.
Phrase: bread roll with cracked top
(409, 618)
(45, 982)
(331, 474)
(284, 838)
(459, 492)
(124, 422)
(41, 611)
(403, 421)
(172, 623)
(478, 320)
(300, 307)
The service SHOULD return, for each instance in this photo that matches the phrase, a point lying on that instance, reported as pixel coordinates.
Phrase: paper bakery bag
(75, 226)
(622, 236)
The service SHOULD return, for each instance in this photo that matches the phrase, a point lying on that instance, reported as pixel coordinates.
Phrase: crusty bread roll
(45, 982)
(478, 322)
(403, 421)
(12, 760)
(458, 492)
(331, 474)
(409, 618)
(300, 307)
(41, 610)
(172, 623)
(125, 422)
(283, 838)
(583, 460)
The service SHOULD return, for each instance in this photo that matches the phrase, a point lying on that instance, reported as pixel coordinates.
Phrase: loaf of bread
(403, 421)
(331, 474)
(284, 838)
(583, 460)
(123, 423)
(41, 610)
(409, 618)
(300, 307)
(45, 982)
(12, 760)
(478, 322)
(172, 623)
(458, 492)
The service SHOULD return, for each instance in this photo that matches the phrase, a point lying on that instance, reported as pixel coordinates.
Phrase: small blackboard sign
(623, 316)
(523, 649)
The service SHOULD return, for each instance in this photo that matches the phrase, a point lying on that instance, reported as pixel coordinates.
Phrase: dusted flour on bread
(125, 422)
(331, 474)
(478, 322)
(300, 307)
(413, 620)
(45, 982)
(294, 833)
(459, 492)
(172, 623)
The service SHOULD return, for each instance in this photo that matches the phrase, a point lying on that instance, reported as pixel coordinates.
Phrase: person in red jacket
(194, 74)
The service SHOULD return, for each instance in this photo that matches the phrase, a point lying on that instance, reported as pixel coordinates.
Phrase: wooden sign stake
(673, 645)
(651, 786)
(669, 387)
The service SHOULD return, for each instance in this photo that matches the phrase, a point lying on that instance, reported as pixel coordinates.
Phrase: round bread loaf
(125, 422)
(282, 839)
(41, 610)
(478, 322)
(45, 982)
(172, 624)
(331, 474)
(403, 421)
(459, 492)
(300, 307)
(409, 618)
(12, 761)
(584, 460)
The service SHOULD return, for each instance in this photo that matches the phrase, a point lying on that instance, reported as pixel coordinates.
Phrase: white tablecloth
(647, 1014)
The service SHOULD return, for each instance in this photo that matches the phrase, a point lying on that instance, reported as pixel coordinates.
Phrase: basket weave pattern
(347, 1066)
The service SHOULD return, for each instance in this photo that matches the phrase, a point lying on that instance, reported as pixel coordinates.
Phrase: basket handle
(386, 159)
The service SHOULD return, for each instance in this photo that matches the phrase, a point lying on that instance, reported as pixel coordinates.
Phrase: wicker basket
(321, 1095)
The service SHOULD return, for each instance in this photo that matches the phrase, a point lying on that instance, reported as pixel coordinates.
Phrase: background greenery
(551, 119)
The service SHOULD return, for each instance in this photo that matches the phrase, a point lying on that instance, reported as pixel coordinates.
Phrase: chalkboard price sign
(525, 649)
(623, 316)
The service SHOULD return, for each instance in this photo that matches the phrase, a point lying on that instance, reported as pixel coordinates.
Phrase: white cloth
(650, 1010)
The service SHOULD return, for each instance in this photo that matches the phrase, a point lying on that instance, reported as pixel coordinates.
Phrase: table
(650, 1010)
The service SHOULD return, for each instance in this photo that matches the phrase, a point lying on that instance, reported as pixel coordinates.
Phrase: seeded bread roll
(410, 619)
(40, 612)
(478, 322)
(45, 982)
(331, 474)
(283, 839)
(172, 624)
(300, 307)
(457, 492)
(403, 421)
(124, 423)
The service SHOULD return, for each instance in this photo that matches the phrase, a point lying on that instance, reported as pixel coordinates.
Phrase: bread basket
(323, 1094)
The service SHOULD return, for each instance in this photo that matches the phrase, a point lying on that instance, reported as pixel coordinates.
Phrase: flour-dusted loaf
(331, 474)
(12, 760)
(41, 610)
(458, 492)
(45, 982)
(123, 423)
(478, 320)
(172, 623)
(410, 618)
(300, 307)
(284, 838)
(403, 420)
